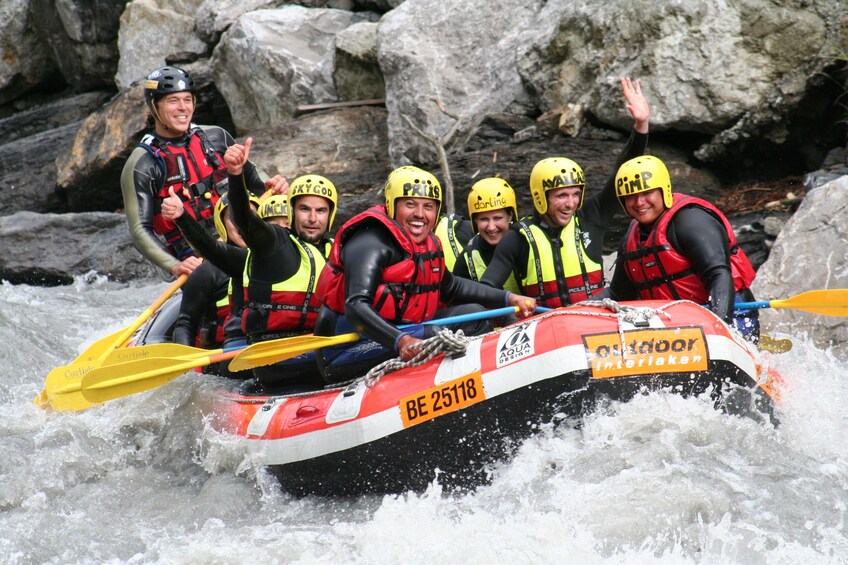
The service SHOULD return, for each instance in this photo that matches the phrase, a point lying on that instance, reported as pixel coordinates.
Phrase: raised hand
(277, 184)
(236, 156)
(172, 206)
(637, 104)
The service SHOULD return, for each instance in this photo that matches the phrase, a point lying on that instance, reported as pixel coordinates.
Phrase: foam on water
(660, 479)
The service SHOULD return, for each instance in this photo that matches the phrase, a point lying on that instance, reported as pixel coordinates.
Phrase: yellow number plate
(441, 399)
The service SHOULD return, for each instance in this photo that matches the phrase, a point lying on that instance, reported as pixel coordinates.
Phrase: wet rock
(51, 249)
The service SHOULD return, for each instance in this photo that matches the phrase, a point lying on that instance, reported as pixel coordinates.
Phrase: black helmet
(165, 81)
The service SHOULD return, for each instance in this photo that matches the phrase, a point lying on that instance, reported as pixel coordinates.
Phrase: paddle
(151, 367)
(274, 351)
(832, 302)
(123, 379)
(61, 386)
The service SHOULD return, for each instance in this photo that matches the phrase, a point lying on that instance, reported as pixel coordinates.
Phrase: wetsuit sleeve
(198, 293)
(456, 290)
(620, 287)
(228, 258)
(600, 209)
(365, 255)
(141, 181)
(257, 234)
(510, 255)
(701, 238)
(464, 232)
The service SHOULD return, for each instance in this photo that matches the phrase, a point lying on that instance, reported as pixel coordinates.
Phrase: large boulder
(271, 61)
(52, 249)
(356, 72)
(30, 142)
(462, 54)
(346, 145)
(154, 32)
(809, 254)
(26, 63)
(753, 62)
(82, 36)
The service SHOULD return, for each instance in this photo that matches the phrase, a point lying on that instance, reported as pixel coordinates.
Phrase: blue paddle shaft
(751, 305)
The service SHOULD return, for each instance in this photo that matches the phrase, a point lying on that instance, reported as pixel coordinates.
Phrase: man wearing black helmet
(180, 154)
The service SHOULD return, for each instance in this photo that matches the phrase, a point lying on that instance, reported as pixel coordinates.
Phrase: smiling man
(387, 268)
(556, 255)
(678, 247)
(180, 155)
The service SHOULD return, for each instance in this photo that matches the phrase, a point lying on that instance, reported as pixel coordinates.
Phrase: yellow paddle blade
(774, 344)
(59, 392)
(276, 350)
(833, 302)
(125, 354)
(131, 377)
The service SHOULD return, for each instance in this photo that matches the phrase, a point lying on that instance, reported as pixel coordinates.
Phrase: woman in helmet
(182, 155)
(678, 247)
(557, 254)
(387, 268)
(492, 208)
(282, 270)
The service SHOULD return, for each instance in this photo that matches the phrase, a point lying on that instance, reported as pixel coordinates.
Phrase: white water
(660, 479)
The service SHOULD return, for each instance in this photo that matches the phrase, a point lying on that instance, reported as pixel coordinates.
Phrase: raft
(455, 415)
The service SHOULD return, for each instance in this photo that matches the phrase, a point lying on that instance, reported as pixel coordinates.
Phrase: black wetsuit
(198, 308)
(274, 257)
(142, 179)
(229, 259)
(365, 254)
(595, 217)
(699, 236)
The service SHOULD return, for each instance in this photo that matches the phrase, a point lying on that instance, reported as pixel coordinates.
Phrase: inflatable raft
(455, 415)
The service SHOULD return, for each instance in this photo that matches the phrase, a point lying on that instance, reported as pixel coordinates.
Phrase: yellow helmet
(314, 185)
(642, 174)
(491, 194)
(273, 205)
(551, 173)
(411, 182)
(218, 214)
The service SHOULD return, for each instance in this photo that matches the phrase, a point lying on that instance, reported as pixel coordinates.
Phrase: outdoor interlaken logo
(516, 344)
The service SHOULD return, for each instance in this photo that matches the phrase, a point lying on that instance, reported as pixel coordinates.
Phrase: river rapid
(660, 479)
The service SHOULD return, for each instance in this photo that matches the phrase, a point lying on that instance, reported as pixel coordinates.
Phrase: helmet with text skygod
(314, 185)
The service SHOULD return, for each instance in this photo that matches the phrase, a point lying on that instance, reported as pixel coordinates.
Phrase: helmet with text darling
(220, 209)
(491, 194)
(555, 172)
(163, 81)
(642, 174)
(314, 185)
(273, 205)
(411, 182)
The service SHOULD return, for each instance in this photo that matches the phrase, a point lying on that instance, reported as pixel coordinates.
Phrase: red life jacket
(199, 177)
(660, 272)
(409, 289)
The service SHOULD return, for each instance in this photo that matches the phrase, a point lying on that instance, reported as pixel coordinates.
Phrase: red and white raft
(454, 416)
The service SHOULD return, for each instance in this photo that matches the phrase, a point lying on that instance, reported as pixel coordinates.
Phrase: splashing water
(660, 479)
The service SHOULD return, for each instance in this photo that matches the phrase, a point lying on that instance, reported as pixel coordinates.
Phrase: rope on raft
(445, 342)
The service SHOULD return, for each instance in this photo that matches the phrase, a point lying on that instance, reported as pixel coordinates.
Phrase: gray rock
(464, 54)
(271, 61)
(146, 43)
(52, 249)
(809, 254)
(26, 62)
(51, 115)
(356, 72)
(82, 36)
